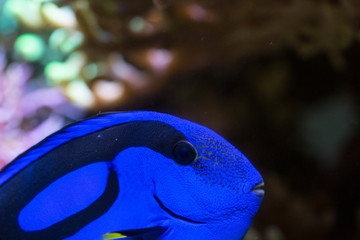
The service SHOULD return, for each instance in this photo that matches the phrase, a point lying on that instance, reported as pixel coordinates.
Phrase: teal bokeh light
(31, 47)
(137, 24)
(8, 22)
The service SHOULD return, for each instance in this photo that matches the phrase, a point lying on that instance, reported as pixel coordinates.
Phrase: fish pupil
(184, 153)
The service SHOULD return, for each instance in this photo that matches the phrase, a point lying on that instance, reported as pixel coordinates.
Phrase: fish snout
(259, 189)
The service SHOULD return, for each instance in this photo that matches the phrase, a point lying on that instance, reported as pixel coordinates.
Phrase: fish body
(133, 175)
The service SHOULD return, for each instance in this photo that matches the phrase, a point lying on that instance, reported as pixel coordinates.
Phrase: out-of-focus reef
(27, 114)
(279, 78)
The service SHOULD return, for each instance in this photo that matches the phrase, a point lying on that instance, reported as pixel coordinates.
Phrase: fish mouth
(259, 189)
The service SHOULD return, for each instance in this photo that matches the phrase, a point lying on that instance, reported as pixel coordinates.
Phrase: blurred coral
(25, 118)
(157, 40)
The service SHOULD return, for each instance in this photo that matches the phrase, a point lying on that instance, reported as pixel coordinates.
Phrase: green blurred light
(137, 24)
(8, 24)
(90, 71)
(72, 42)
(58, 72)
(80, 93)
(13, 6)
(28, 12)
(65, 40)
(59, 16)
(57, 37)
(30, 46)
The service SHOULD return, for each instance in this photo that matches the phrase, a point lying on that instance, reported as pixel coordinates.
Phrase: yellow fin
(109, 236)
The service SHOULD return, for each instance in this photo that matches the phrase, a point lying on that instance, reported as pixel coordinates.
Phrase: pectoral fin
(109, 236)
(136, 234)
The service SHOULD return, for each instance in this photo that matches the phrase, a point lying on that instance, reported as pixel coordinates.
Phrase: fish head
(207, 182)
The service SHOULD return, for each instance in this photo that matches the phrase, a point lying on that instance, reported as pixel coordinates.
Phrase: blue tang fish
(133, 175)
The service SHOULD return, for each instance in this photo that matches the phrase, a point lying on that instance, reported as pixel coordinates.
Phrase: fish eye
(184, 153)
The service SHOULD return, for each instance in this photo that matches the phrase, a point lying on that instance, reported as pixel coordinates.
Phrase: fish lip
(258, 189)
